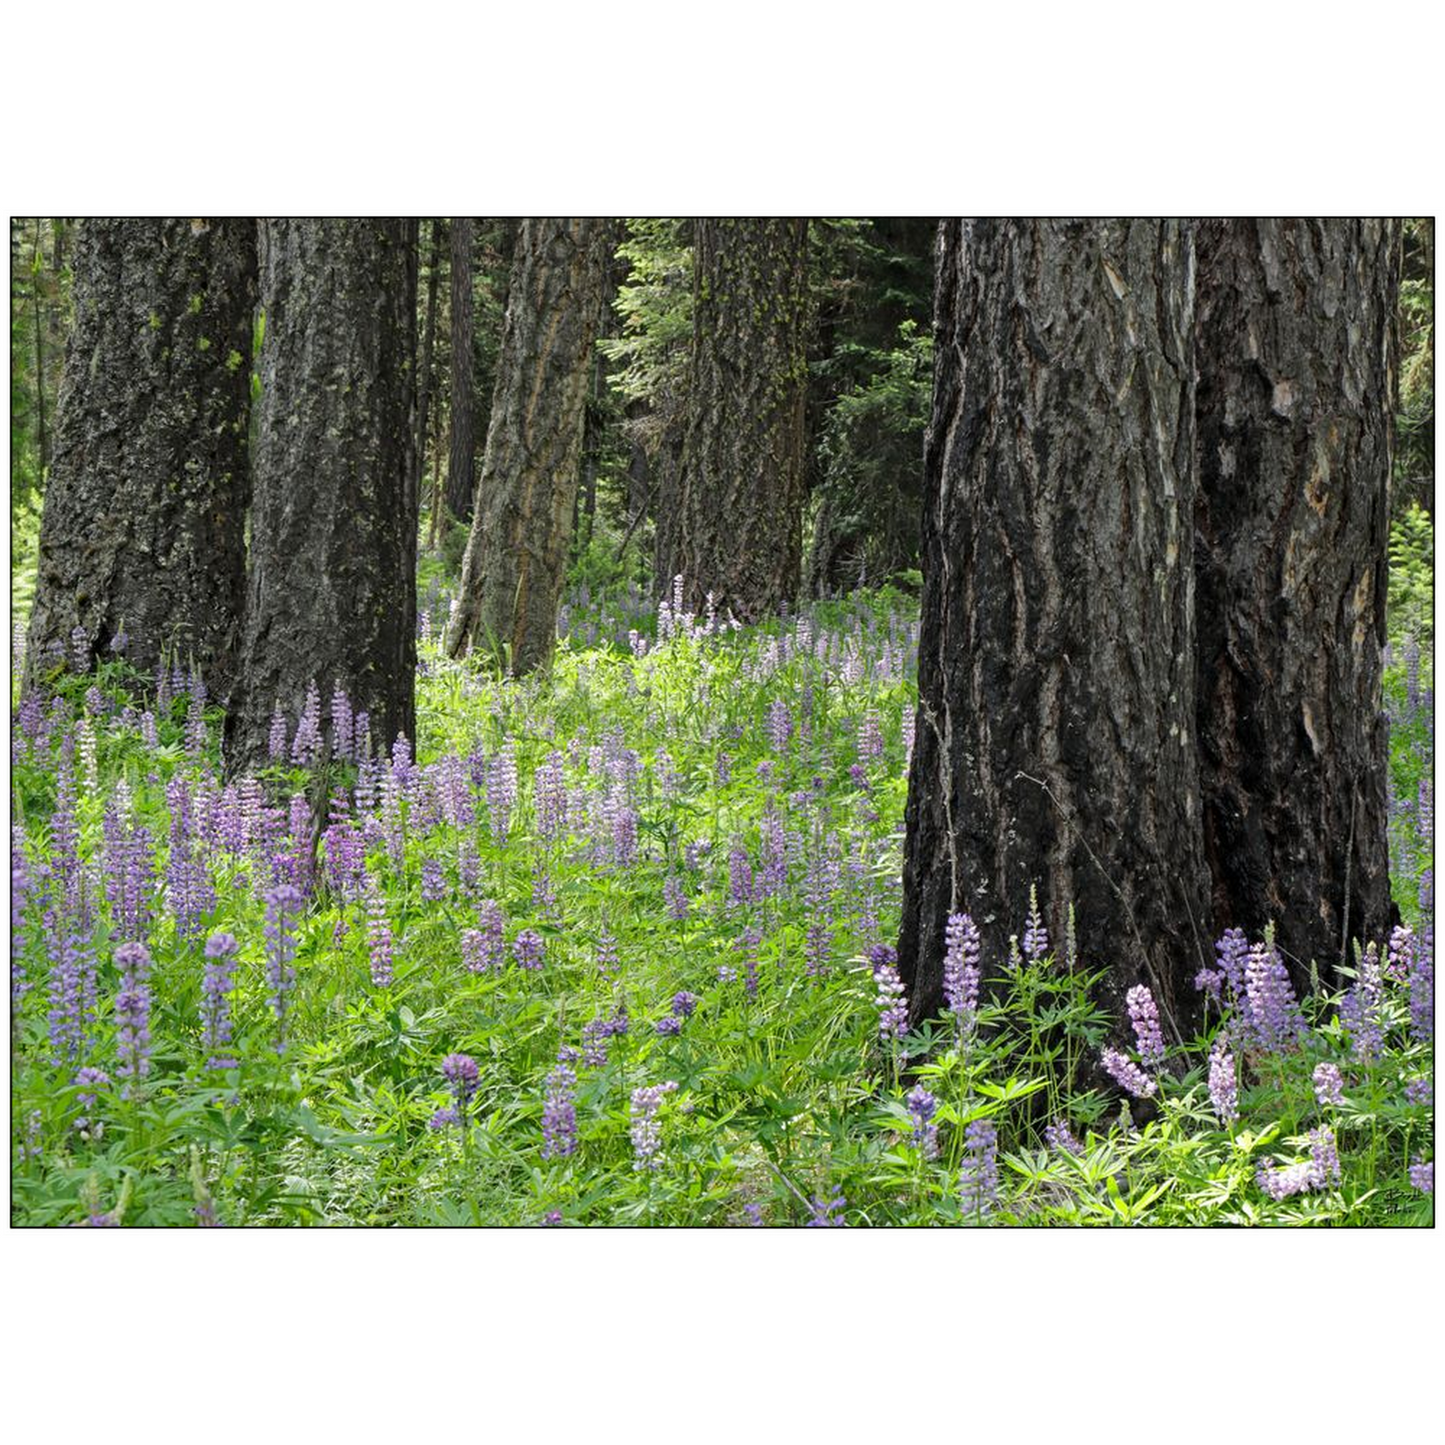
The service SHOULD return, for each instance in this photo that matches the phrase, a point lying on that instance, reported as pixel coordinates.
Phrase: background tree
(332, 595)
(1055, 733)
(740, 509)
(516, 557)
(145, 502)
(425, 392)
(462, 464)
(1297, 361)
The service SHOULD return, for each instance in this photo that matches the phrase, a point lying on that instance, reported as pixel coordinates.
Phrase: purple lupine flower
(19, 892)
(749, 943)
(1144, 1015)
(978, 1178)
(892, 1001)
(196, 718)
(870, 739)
(1058, 1135)
(1223, 1085)
(283, 904)
(646, 1131)
(528, 948)
(1402, 945)
(606, 953)
(1420, 1091)
(595, 1035)
(1128, 1075)
(276, 741)
(461, 1073)
(378, 934)
(1360, 1009)
(669, 1026)
(960, 967)
(922, 1106)
(827, 1213)
(1324, 1156)
(754, 1212)
(132, 1012)
(1281, 1183)
(444, 1118)
(1422, 1175)
(684, 1003)
(91, 1130)
(1036, 936)
(433, 880)
(79, 649)
(1274, 1018)
(1422, 987)
(549, 793)
(740, 876)
(675, 897)
(818, 900)
(1329, 1084)
(780, 725)
(1226, 984)
(559, 1110)
(343, 724)
(306, 745)
(501, 793)
(216, 984)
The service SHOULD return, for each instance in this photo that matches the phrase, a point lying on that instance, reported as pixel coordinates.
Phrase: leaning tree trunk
(332, 595)
(461, 465)
(517, 553)
(1055, 733)
(740, 530)
(1295, 415)
(142, 533)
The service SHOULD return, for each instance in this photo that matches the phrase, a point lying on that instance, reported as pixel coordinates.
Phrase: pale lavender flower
(1329, 1084)
(978, 1178)
(684, 1003)
(827, 1213)
(646, 1131)
(1144, 1015)
(378, 935)
(668, 1027)
(1128, 1075)
(283, 904)
(1058, 1135)
(922, 1106)
(1324, 1156)
(216, 984)
(1422, 1175)
(607, 964)
(132, 1012)
(1036, 936)
(528, 949)
(1223, 1085)
(501, 793)
(675, 897)
(961, 967)
(433, 880)
(1274, 1019)
(276, 740)
(1420, 1091)
(343, 725)
(1282, 1183)
(891, 1001)
(306, 745)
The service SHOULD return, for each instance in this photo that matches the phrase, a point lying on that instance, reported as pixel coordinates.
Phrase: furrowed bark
(142, 531)
(1297, 326)
(1055, 734)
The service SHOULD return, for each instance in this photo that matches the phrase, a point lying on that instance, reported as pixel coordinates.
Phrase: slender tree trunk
(740, 533)
(42, 440)
(332, 595)
(424, 386)
(462, 465)
(1055, 735)
(517, 554)
(143, 525)
(1296, 411)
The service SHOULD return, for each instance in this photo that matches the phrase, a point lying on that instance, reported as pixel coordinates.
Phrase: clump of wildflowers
(646, 1131)
(1128, 1075)
(922, 1106)
(978, 1178)
(1329, 1084)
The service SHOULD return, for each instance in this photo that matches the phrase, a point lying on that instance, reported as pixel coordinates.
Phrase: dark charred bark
(1055, 735)
(461, 467)
(1295, 415)
(517, 553)
(424, 379)
(143, 526)
(740, 509)
(332, 594)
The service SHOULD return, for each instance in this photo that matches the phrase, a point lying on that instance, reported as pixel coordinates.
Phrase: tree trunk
(517, 553)
(42, 439)
(1295, 408)
(742, 488)
(332, 595)
(461, 467)
(143, 526)
(424, 387)
(1055, 735)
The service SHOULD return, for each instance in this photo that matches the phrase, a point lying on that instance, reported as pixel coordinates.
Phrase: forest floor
(607, 951)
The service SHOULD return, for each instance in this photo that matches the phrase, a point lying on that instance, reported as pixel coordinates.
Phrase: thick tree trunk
(740, 535)
(517, 554)
(143, 527)
(424, 378)
(332, 594)
(1295, 407)
(1055, 735)
(461, 467)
